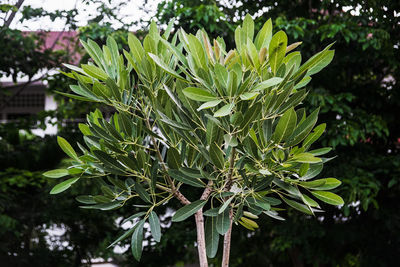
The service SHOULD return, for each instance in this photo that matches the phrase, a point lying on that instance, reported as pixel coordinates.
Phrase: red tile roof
(60, 40)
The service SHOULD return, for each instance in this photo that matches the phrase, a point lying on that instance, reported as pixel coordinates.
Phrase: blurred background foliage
(359, 96)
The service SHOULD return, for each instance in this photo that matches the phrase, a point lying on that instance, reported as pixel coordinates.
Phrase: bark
(201, 240)
(227, 236)
(227, 243)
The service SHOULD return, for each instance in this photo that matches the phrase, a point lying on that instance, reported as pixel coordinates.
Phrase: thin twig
(174, 191)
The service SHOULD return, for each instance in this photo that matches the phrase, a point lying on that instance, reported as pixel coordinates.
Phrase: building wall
(21, 100)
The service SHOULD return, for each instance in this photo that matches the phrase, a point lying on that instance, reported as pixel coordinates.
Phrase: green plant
(190, 114)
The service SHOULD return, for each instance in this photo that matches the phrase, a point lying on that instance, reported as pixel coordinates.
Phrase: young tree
(193, 118)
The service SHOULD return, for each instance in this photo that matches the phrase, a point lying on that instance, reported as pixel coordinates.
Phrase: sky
(131, 11)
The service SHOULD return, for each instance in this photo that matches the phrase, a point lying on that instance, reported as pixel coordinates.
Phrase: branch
(227, 236)
(12, 15)
(227, 242)
(201, 241)
(207, 191)
(230, 173)
(174, 190)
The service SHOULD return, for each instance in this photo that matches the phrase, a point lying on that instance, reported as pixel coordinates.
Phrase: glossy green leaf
(107, 191)
(173, 158)
(224, 111)
(298, 206)
(248, 27)
(262, 203)
(61, 187)
(213, 131)
(84, 129)
(322, 63)
(197, 51)
(107, 159)
(81, 90)
(320, 151)
(287, 187)
(67, 148)
(186, 179)
(188, 210)
(57, 173)
(74, 68)
(198, 94)
(240, 38)
(303, 129)
(155, 227)
(142, 193)
(135, 47)
(217, 156)
(222, 74)
(328, 197)
(95, 72)
(137, 241)
(251, 114)
(285, 126)
(225, 205)
(313, 171)
(277, 50)
(306, 158)
(312, 62)
(329, 183)
(313, 184)
(209, 104)
(211, 212)
(175, 124)
(249, 95)
(77, 97)
(223, 222)
(104, 206)
(267, 83)
(264, 36)
(165, 67)
(318, 131)
(273, 214)
(85, 199)
(211, 237)
(273, 201)
(93, 50)
(309, 201)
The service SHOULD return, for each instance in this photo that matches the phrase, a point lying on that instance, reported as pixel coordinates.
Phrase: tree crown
(191, 115)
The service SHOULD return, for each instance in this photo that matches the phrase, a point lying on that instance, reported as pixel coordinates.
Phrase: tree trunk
(201, 240)
(227, 243)
(227, 236)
